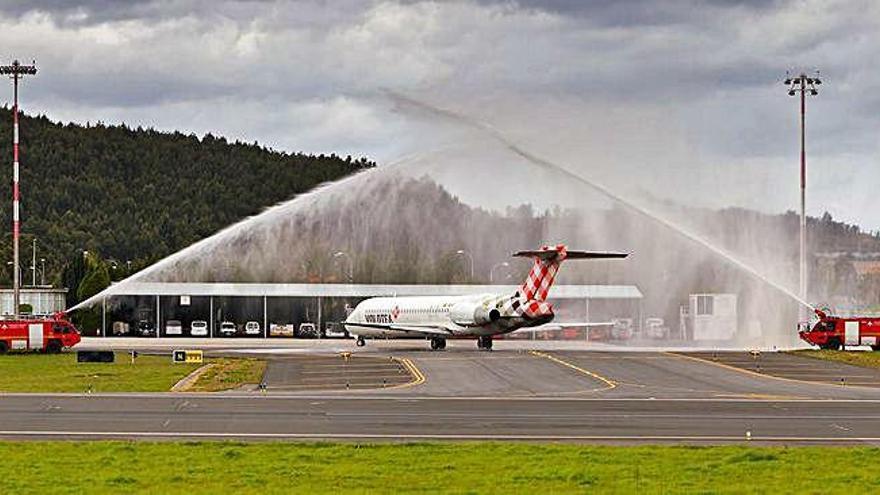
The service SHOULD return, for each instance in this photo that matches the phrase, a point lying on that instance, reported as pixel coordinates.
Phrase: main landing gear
(484, 343)
(438, 343)
(361, 342)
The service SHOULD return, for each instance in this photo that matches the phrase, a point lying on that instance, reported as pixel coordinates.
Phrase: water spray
(278, 211)
(545, 164)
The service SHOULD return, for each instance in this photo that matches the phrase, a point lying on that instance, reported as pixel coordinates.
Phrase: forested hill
(139, 194)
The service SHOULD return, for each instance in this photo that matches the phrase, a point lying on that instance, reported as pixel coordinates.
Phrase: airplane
(480, 315)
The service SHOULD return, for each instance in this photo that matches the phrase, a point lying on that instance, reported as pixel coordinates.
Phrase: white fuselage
(425, 311)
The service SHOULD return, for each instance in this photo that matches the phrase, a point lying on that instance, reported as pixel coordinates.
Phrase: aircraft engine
(472, 314)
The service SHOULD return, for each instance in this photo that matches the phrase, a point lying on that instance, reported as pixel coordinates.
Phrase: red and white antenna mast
(16, 71)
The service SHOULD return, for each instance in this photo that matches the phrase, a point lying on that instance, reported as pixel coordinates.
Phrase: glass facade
(284, 317)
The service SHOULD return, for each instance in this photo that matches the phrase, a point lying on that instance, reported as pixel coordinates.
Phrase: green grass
(61, 373)
(229, 373)
(868, 359)
(501, 468)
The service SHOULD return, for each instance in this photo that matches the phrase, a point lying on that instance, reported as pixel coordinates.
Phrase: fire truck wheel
(3, 347)
(875, 347)
(53, 347)
(831, 345)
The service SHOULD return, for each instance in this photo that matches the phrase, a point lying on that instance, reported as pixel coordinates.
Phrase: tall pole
(34, 264)
(16, 71)
(802, 85)
(803, 234)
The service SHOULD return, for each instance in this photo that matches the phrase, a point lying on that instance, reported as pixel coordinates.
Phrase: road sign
(186, 356)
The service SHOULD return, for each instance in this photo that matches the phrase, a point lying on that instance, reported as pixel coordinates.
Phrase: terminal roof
(360, 290)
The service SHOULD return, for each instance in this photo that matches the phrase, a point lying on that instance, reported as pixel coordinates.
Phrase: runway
(513, 393)
(325, 417)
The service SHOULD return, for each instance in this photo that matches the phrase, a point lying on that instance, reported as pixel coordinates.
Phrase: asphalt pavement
(512, 393)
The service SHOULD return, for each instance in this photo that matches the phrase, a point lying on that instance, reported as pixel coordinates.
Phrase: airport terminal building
(158, 309)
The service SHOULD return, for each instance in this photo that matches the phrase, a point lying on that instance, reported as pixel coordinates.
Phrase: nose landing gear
(438, 343)
(484, 343)
(361, 342)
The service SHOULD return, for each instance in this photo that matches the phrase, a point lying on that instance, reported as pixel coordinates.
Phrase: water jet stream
(279, 210)
(545, 164)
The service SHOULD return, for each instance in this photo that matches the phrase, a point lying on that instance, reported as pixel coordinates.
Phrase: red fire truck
(833, 332)
(38, 334)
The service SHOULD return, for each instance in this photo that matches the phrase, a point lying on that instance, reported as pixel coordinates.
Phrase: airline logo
(537, 285)
(378, 318)
(385, 318)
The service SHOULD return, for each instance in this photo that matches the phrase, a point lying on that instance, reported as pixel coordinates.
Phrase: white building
(43, 300)
(712, 317)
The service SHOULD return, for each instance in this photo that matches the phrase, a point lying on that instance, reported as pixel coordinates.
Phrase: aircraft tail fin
(547, 260)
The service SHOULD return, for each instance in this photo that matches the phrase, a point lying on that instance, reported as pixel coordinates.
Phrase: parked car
(227, 329)
(622, 328)
(335, 330)
(120, 328)
(308, 331)
(655, 329)
(252, 328)
(173, 327)
(145, 328)
(281, 330)
(198, 328)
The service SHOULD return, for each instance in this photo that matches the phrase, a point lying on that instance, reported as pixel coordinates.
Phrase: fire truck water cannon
(835, 332)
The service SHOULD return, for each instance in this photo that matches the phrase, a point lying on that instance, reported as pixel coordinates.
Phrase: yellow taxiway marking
(763, 375)
(608, 382)
(418, 376)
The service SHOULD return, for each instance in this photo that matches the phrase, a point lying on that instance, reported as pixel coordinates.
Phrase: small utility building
(42, 300)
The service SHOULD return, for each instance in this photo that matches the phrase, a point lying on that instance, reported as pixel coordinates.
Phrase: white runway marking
(428, 436)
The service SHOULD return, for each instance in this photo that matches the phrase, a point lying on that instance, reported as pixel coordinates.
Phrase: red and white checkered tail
(547, 261)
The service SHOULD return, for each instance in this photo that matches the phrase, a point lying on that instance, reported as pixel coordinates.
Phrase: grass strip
(229, 373)
(34, 372)
(867, 359)
(492, 468)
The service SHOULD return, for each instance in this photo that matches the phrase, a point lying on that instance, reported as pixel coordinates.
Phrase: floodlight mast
(15, 72)
(803, 85)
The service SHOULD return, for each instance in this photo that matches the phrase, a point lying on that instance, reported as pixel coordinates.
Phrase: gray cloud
(635, 82)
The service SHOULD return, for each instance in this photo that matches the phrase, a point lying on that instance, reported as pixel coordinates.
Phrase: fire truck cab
(50, 335)
(833, 332)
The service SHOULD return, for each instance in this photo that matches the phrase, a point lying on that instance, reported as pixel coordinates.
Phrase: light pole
(802, 85)
(342, 254)
(43, 271)
(16, 71)
(34, 263)
(14, 273)
(470, 258)
(496, 265)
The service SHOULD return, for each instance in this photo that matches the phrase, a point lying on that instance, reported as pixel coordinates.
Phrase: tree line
(130, 196)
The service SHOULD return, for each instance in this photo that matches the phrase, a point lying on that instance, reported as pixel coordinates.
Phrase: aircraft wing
(559, 326)
(434, 331)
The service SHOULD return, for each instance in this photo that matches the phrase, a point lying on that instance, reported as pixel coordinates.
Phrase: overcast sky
(686, 95)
